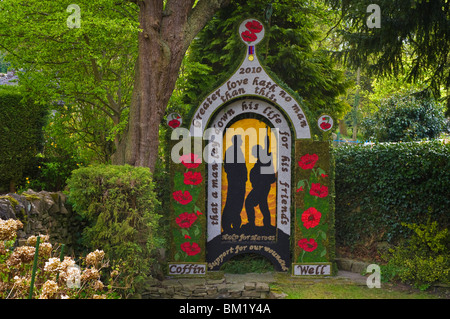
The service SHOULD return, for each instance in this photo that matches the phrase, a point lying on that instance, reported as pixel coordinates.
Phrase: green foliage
(88, 70)
(380, 186)
(405, 118)
(3, 64)
(247, 263)
(21, 135)
(120, 205)
(53, 167)
(424, 258)
(415, 31)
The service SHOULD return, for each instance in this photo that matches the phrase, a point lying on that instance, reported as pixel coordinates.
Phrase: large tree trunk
(163, 42)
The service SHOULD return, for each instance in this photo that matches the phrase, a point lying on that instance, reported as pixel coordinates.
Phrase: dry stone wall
(226, 287)
(43, 213)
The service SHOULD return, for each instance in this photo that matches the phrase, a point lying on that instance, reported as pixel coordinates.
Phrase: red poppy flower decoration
(190, 249)
(248, 36)
(254, 26)
(307, 245)
(318, 190)
(308, 161)
(325, 125)
(192, 178)
(185, 220)
(174, 120)
(182, 198)
(174, 123)
(311, 217)
(325, 122)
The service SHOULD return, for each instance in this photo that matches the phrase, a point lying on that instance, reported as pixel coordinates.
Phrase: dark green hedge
(380, 186)
(21, 136)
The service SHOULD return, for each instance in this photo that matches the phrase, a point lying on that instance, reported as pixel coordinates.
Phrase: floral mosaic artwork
(312, 192)
(252, 28)
(187, 217)
(325, 123)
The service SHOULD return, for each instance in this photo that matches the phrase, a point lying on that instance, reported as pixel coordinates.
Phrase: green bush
(380, 186)
(53, 166)
(423, 259)
(119, 205)
(21, 136)
(405, 118)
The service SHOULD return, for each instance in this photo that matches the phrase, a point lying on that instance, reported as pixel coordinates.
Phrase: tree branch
(199, 16)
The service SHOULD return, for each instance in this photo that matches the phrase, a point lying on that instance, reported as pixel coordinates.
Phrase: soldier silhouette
(236, 170)
(262, 176)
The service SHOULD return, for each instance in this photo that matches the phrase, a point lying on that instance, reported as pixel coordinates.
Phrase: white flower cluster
(8, 228)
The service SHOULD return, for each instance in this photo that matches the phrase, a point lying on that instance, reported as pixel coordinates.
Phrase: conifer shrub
(120, 206)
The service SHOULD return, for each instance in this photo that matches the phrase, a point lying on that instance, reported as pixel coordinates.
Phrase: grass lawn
(342, 288)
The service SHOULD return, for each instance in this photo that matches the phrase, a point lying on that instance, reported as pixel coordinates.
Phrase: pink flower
(190, 160)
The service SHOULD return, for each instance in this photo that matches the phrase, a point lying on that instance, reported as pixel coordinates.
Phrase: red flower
(199, 213)
(325, 125)
(300, 189)
(185, 220)
(189, 249)
(190, 160)
(192, 178)
(187, 237)
(254, 26)
(318, 190)
(182, 198)
(307, 245)
(308, 161)
(311, 217)
(323, 175)
(248, 36)
(174, 123)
